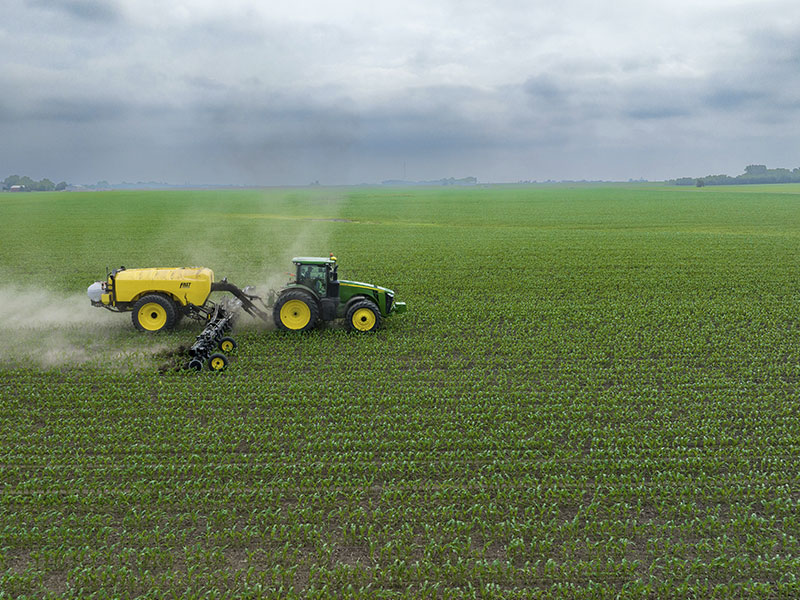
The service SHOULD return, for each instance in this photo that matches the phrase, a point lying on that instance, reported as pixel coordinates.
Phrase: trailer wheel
(227, 344)
(295, 311)
(154, 312)
(363, 316)
(217, 362)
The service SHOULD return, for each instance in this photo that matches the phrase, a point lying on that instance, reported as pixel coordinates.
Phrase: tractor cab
(318, 275)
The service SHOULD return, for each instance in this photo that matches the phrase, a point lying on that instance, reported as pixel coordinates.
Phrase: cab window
(312, 276)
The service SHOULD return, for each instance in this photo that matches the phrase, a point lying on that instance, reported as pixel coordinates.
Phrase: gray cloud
(252, 94)
(733, 98)
(544, 89)
(77, 110)
(96, 11)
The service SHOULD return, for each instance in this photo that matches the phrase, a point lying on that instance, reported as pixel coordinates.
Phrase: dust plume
(274, 275)
(46, 329)
(297, 223)
(311, 239)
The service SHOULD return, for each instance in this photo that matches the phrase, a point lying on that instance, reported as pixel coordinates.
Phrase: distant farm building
(17, 188)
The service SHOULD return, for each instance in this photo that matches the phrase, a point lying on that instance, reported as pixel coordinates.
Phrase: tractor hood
(366, 286)
(390, 307)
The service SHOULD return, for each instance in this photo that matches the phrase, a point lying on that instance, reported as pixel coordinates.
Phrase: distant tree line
(27, 184)
(752, 174)
(446, 181)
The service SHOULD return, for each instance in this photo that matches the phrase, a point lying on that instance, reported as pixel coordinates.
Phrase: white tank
(95, 291)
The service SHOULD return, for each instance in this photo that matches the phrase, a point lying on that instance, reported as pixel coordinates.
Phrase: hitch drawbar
(246, 298)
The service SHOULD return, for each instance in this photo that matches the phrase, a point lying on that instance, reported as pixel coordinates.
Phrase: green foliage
(592, 395)
(45, 185)
(753, 174)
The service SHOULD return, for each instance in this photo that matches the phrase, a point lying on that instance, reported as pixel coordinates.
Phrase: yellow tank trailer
(157, 297)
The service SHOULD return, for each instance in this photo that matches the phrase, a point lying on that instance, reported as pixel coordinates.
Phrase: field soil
(593, 394)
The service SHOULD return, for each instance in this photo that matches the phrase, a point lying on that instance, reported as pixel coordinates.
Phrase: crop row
(592, 395)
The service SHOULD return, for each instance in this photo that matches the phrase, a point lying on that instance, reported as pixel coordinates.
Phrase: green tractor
(317, 294)
(158, 297)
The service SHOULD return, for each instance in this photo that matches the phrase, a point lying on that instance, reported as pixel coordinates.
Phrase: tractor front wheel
(295, 311)
(154, 312)
(363, 316)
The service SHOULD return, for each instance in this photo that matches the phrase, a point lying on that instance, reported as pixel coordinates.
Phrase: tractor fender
(358, 298)
(303, 288)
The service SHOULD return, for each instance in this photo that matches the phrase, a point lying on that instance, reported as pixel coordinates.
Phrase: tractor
(317, 294)
(158, 298)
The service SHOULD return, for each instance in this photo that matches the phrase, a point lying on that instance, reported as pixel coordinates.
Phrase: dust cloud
(42, 328)
(274, 275)
(308, 234)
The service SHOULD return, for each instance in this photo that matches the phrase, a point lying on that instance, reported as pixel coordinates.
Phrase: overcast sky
(270, 93)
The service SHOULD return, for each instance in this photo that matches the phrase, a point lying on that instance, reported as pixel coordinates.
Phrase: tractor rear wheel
(295, 311)
(154, 312)
(363, 316)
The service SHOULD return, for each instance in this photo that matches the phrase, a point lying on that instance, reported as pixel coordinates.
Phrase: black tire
(217, 362)
(295, 311)
(227, 344)
(363, 316)
(154, 312)
(195, 364)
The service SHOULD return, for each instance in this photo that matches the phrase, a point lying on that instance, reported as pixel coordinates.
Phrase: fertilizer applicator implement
(158, 298)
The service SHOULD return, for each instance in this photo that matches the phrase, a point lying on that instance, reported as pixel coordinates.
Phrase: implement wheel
(295, 311)
(363, 316)
(227, 344)
(217, 362)
(154, 312)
